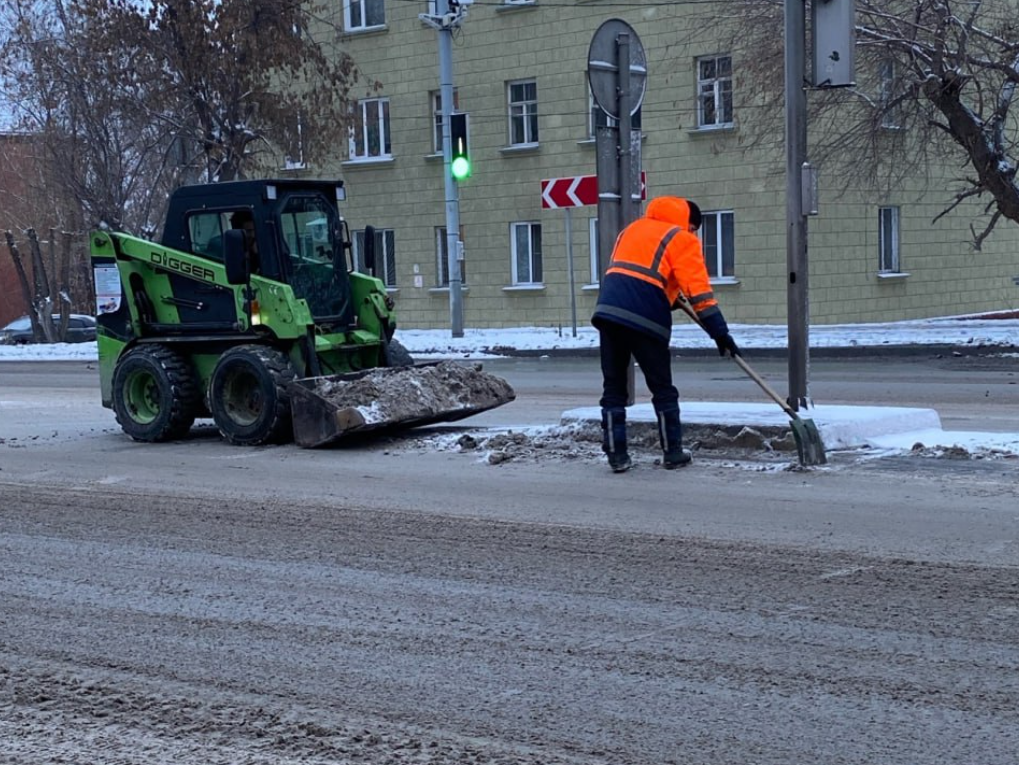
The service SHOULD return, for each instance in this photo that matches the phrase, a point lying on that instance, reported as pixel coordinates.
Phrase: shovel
(809, 446)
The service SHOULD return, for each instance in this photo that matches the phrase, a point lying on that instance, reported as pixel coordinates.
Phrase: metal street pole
(569, 268)
(453, 248)
(625, 156)
(796, 221)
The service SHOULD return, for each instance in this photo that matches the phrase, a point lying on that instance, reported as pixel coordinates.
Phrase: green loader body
(251, 289)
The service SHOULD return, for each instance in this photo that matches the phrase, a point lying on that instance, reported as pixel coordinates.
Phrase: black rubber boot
(613, 427)
(670, 434)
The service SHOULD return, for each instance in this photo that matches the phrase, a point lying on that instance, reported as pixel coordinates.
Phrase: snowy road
(202, 630)
(406, 602)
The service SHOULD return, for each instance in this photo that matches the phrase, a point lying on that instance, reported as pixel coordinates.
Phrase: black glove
(726, 343)
(714, 324)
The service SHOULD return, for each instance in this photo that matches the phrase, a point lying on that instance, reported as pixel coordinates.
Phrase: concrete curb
(879, 351)
(753, 425)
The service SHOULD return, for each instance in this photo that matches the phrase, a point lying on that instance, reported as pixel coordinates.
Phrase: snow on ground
(486, 343)
(879, 429)
(962, 331)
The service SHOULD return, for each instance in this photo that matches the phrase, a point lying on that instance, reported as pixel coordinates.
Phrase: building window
(592, 234)
(363, 14)
(369, 135)
(714, 91)
(891, 111)
(718, 241)
(385, 255)
(888, 240)
(294, 149)
(436, 99)
(526, 245)
(596, 117)
(442, 258)
(523, 112)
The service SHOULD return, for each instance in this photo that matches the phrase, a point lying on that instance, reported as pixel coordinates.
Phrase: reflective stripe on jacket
(655, 259)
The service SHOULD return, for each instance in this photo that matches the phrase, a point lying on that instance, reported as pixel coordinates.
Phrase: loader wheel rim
(141, 397)
(243, 399)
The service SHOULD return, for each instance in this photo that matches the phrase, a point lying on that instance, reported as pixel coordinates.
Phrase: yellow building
(520, 72)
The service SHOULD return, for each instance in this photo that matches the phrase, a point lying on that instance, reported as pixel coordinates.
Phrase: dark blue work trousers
(620, 344)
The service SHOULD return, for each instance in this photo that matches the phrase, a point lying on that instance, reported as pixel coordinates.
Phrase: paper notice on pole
(108, 290)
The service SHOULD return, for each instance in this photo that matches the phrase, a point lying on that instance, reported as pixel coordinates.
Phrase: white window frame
(889, 254)
(592, 111)
(360, 23)
(715, 262)
(717, 87)
(890, 116)
(435, 98)
(291, 162)
(358, 141)
(525, 112)
(442, 259)
(533, 257)
(592, 234)
(385, 254)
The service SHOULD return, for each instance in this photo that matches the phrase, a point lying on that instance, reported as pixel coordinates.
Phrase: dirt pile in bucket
(404, 393)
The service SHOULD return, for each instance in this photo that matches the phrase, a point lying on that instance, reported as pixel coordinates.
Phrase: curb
(935, 351)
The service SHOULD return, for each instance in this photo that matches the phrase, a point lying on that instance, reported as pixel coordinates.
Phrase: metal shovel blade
(809, 446)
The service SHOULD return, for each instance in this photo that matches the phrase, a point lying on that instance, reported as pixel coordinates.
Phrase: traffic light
(460, 165)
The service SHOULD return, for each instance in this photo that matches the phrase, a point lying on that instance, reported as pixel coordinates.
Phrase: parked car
(80, 328)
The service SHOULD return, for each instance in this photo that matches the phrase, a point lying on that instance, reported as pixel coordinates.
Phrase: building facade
(520, 72)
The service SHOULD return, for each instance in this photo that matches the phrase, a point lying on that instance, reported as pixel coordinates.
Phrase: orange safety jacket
(654, 260)
(660, 249)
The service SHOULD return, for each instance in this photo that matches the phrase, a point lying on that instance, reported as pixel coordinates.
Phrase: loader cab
(298, 235)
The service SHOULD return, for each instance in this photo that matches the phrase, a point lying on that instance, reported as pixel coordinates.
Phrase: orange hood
(672, 210)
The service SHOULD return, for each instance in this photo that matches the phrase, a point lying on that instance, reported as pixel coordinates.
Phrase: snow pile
(399, 394)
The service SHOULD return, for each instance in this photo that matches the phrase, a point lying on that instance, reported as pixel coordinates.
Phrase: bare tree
(132, 98)
(936, 81)
(46, 287)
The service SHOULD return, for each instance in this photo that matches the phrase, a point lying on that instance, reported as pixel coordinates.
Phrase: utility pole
(833, 43)
(796, 222)
(449, 17)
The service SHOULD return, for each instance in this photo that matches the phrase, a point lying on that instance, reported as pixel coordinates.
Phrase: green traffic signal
(460, 161)
(461, 167)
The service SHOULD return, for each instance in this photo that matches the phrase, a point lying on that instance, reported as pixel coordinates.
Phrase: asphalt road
(402, 601)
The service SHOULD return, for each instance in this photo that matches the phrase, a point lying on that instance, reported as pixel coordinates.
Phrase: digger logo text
(176, 264)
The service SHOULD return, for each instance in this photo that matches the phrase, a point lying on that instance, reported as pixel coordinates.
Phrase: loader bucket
(326, 409)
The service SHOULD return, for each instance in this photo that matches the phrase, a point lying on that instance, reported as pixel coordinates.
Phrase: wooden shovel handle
(683, 303)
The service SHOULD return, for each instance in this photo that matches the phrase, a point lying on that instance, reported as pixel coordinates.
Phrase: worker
(244, 220)
(656, 259)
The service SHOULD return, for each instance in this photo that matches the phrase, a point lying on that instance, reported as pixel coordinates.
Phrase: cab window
(206, 231)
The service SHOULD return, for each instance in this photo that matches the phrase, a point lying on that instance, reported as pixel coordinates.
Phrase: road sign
(578, 191)
(603, 70)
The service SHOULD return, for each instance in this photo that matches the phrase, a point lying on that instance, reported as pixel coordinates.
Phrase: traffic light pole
(453, 245)
(796, 220)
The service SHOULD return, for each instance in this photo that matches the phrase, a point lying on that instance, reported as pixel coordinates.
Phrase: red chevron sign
(578, 191)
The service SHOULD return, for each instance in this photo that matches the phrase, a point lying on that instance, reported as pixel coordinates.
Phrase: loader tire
(249, 397)
(155, 394)
(395, 355)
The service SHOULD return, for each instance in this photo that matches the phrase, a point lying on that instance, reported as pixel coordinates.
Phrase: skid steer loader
(250, 311)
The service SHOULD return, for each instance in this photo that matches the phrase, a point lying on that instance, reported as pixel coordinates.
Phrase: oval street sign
(602, 68)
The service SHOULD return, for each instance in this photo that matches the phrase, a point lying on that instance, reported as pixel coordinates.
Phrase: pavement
(841, 427)
(755, 426)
